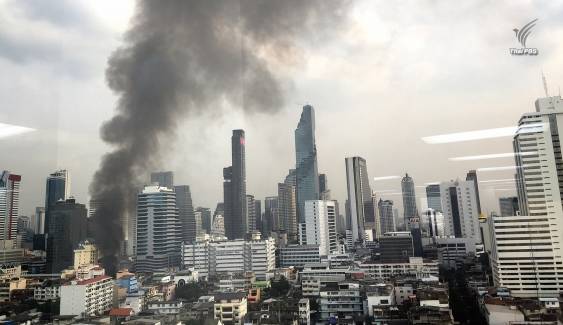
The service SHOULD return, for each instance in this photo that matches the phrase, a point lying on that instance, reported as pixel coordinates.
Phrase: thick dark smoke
(184, 57)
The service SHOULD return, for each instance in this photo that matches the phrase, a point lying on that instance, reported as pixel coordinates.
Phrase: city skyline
(487, 111)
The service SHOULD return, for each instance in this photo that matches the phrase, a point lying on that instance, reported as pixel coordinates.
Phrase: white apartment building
(453, 251)
(416, 266)
(320, 226)
(88, 297)
(459, 205)
(298, 255)
(527, 249)
(47, 292)
(158, 229)
(212, 257)
(230, 307)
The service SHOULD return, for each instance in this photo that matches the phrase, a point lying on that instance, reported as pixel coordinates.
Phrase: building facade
(234, 188)
(361, 209)
(409, 199)
(461, 214)
(158, 230)
(320, 226)
(386, 216)
(433, 197)
(210, 258)
(9, 205)
(508, 206)
(163, 179)
(88, 297)
(306, 169)
(67, 227)
(287, 205)
(186, 213)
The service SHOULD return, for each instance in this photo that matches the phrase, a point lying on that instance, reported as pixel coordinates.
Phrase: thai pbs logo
(522, 36)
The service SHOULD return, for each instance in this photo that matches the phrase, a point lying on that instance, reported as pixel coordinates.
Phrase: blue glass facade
(306, 169)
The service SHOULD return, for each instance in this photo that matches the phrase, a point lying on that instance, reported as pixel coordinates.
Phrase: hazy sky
(396, 72)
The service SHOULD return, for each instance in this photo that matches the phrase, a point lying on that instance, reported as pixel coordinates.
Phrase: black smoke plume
(180, 58)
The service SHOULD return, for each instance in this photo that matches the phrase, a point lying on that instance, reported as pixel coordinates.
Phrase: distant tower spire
(544, 84)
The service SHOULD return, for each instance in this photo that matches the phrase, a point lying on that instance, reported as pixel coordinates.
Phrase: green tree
(279, 287)
(189, 292)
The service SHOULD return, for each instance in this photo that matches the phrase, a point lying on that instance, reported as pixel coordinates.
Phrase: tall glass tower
(234, 187)
(57, 188)
(306, 169)
(359, 197)
(409, 198)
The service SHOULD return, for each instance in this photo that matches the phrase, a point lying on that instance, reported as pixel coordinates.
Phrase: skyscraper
(459, 204)
(432, 223)
(234, 187)
(287, 205)
(409, 199)
(433, 197)
(526, 255)
(508, 206)
(158, 230)
(164, 179)
(270, 220)
(323, 187)
(185, 212)
(386, 216)
(320, 226)
(206, 218)
(57, 188)
(306, 169)
(9, 205)
(250, 213)
(472, 176)
(258, 213)
(67, 227)
(362, 211)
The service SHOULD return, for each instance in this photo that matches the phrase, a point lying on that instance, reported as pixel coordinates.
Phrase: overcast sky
(394, 73)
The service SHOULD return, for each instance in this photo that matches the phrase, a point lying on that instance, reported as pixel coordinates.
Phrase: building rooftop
(121, 312)
(93, 280)
(229, 296)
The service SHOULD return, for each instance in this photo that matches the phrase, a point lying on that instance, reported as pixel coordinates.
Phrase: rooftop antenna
(544, 84)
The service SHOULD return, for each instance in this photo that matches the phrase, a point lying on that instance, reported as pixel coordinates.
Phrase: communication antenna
(544, 84)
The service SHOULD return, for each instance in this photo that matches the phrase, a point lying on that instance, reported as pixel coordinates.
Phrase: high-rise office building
(186, 213)
(67, 227)
(526, 251)
(258, 213)
(206, 218)
(323, 187)
(433, 197)
(432, 223)
(472, 176)
(234, 187)
(320, 226)
(250, 213)
(287, 205)
(386, 216)
(57, 188)
(158, 229)
(396, 247)
(409, 199)
(9, 205)
(306, 169)
(508, 206)
(164, 179)
(270, 221)
(459, 204)
(38, 223)
(361, 209)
